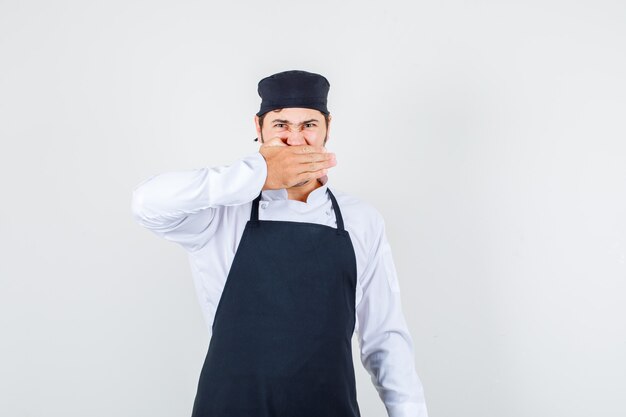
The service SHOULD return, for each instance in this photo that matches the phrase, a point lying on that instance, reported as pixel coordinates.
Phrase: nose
(295, 137)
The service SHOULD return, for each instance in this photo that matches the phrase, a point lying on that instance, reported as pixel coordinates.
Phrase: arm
(180, 206)
(385, 342)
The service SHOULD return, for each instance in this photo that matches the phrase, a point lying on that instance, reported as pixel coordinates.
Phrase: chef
(287, 268)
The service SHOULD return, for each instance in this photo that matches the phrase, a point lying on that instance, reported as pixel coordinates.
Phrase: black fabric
(294, 88)
(281, 336)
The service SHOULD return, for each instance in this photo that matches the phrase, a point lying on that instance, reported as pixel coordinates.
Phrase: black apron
(281, 339)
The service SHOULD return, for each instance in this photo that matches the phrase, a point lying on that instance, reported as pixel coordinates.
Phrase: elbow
(138, 207)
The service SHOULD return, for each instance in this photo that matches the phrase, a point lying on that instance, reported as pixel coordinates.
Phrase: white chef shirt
(205, 211)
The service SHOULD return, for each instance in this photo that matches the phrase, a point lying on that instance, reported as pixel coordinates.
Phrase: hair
(261, 117)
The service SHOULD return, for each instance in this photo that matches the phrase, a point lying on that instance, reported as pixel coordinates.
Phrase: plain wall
(489, 134)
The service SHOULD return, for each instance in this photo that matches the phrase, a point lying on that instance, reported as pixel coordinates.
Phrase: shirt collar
(317, 195)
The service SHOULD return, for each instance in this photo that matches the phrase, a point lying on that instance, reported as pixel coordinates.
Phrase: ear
(330, 118)
(257, 127)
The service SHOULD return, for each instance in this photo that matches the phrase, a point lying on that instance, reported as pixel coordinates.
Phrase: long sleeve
(180, 206)
(386, 346)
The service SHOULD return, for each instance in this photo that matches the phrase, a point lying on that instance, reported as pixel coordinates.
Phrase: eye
(279, 125)
(310, 124)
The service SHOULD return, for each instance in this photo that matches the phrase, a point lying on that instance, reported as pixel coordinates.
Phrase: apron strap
(337, 211)
(254, 212)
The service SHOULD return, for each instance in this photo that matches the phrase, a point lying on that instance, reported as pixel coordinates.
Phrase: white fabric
(205, 211)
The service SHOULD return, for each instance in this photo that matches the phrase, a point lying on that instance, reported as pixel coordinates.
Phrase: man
(286, 271)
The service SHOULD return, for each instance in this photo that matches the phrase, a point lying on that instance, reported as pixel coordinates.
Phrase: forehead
(294, 114)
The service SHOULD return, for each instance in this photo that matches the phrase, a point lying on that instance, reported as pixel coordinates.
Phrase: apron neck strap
(254, 212)
(336, 209)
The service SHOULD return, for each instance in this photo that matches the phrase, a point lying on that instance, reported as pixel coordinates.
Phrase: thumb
(275, 141)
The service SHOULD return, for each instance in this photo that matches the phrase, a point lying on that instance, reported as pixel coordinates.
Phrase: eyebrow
(289, 123)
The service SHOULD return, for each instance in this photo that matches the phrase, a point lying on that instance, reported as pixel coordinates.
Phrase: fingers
(305, 149)
(310, 153)
(297, 164)
(326, 162)
(313, 158)
(307, 176)
(304, 158)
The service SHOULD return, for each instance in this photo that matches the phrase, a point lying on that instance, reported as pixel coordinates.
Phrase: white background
(489, 134)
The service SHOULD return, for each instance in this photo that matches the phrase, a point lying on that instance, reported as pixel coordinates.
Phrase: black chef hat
(293, 88)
